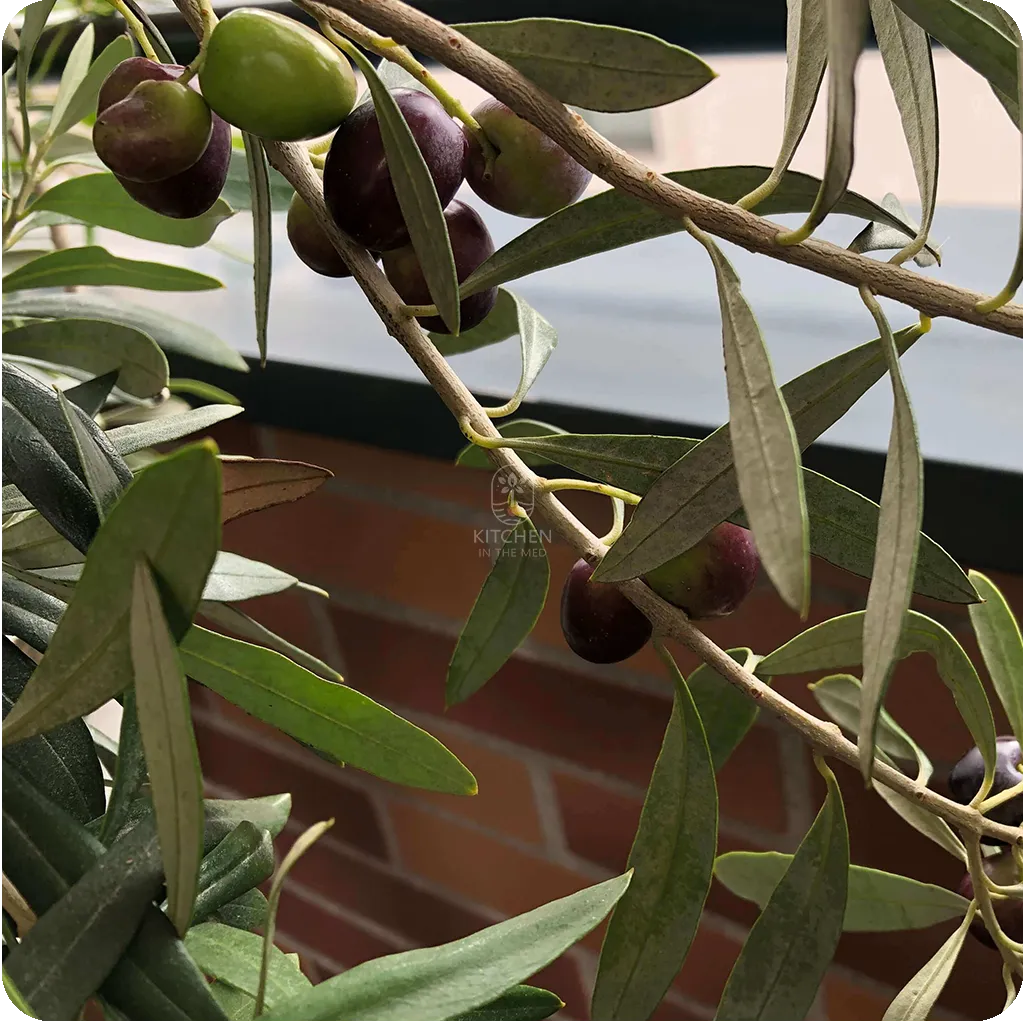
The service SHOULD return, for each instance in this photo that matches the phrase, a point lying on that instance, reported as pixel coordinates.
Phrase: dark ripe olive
(311, 243)
(966, 777)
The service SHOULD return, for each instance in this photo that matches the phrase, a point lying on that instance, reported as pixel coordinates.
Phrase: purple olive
(966, 777)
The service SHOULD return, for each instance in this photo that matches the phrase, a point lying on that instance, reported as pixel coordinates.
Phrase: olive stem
(209, 22)
(138, 30)
(386, 47)
(318, 160)
(1000, 798)
(413, 311)
(545, 486)
(618, 522)
(1008, 949)
(1011, 989)
(761, 193)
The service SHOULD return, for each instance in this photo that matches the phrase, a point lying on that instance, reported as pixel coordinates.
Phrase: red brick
(846, 1000)
(331, 935)
(596, 724)
(253, 770)
(420, 917)
(750, 783)
(708, 964)
(669, 1010)
(236, 436)
(505, 801)
(477, 866)
(599, 822)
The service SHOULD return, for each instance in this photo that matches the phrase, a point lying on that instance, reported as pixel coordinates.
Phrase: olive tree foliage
(136, 897)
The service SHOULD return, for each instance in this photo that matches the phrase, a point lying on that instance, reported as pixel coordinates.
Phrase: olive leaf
(34, 20)
(845, 24)
(93, 265)
(504, 614)
(133, 437)
(441, 982)
(999, 639)
(501, 323)
(614, 219)
(83, 101)
(417, 198)
(254, 484)
(877, 901)
(767, 468)
(916, 999)
(800, 924)
(597, 67)
(521, 1002)
(103, 483)
(537, 340)
(259, 188)
(653, 925)
(907, 55)
(806, 50)
(878, 236)
(76, 67)
(241, 860)
(476, 457)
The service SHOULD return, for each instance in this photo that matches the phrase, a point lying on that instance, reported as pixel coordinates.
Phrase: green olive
(273, 77)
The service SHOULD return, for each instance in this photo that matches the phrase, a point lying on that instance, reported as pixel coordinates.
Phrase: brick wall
(562, 749)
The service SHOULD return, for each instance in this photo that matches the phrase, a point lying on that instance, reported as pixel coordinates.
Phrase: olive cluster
(169, 144)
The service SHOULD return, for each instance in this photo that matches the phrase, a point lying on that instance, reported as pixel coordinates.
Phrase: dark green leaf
(239, 862)
(100, 200)
(876, 902)
(444, 981)
(91, 395)
(501, 323)
(474, 456)
(417, 197)
(837, 643)
(974, 32)
(614, 219)
(165, 722)
(597, 67)
(523, 1002)
(787, 952)
(259, 190)
(200, 389)
(130, 774)
(76, 67)
(1000, 643)
(652, 927)
(919, 995)
(73, 947)
(233, 956)
(100, 478)
(134, 437)
(168, 515)
(725, 712)
(97, 346)
(234, 1002)
(28, 613)
(93, 265)
(34, 20)
(83, 101)
(248, 911)
(30, 542)
(224, 816)
(62, 761)
(505, 612)
(170, 333)
(331, 717)
(537, 340)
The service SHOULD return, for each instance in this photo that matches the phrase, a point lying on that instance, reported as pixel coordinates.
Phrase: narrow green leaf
(907, 55)
(767, 466)
(237, 193)
(83, 101)
(234, 1002)
(100, 478)
(791, 945)
(896, 549)
(76, 67)
(417, 197)
(235, 578)
(170, 333)
(224, 816)
(232, 956)
(28, 613)
(505, 612)
(236, 621)
(34, 18)
(170, 515)
(239, 862)
(1000, 642)
(924, 821)
(475, 457)
(877, 237)
(329, 716)
(845, 24)
(440, 982)
(806, 50)
(72, 948)
(97, 346)
(259, 189)
(248, 911)
(537, 340)
(93, 265)
(974, 32)
(653, 925)
(91, 395)
(133, 437)
(501, 323)
(63, 760)
(30, 542)
(165, 722)
(522, 1002)
(17, 998)
(919, 995)
(877, 901)
(725, 712)
(200, 389)
(597, 67)
(130, 774)
(614, 219)
(100, 200)
(838, 642)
